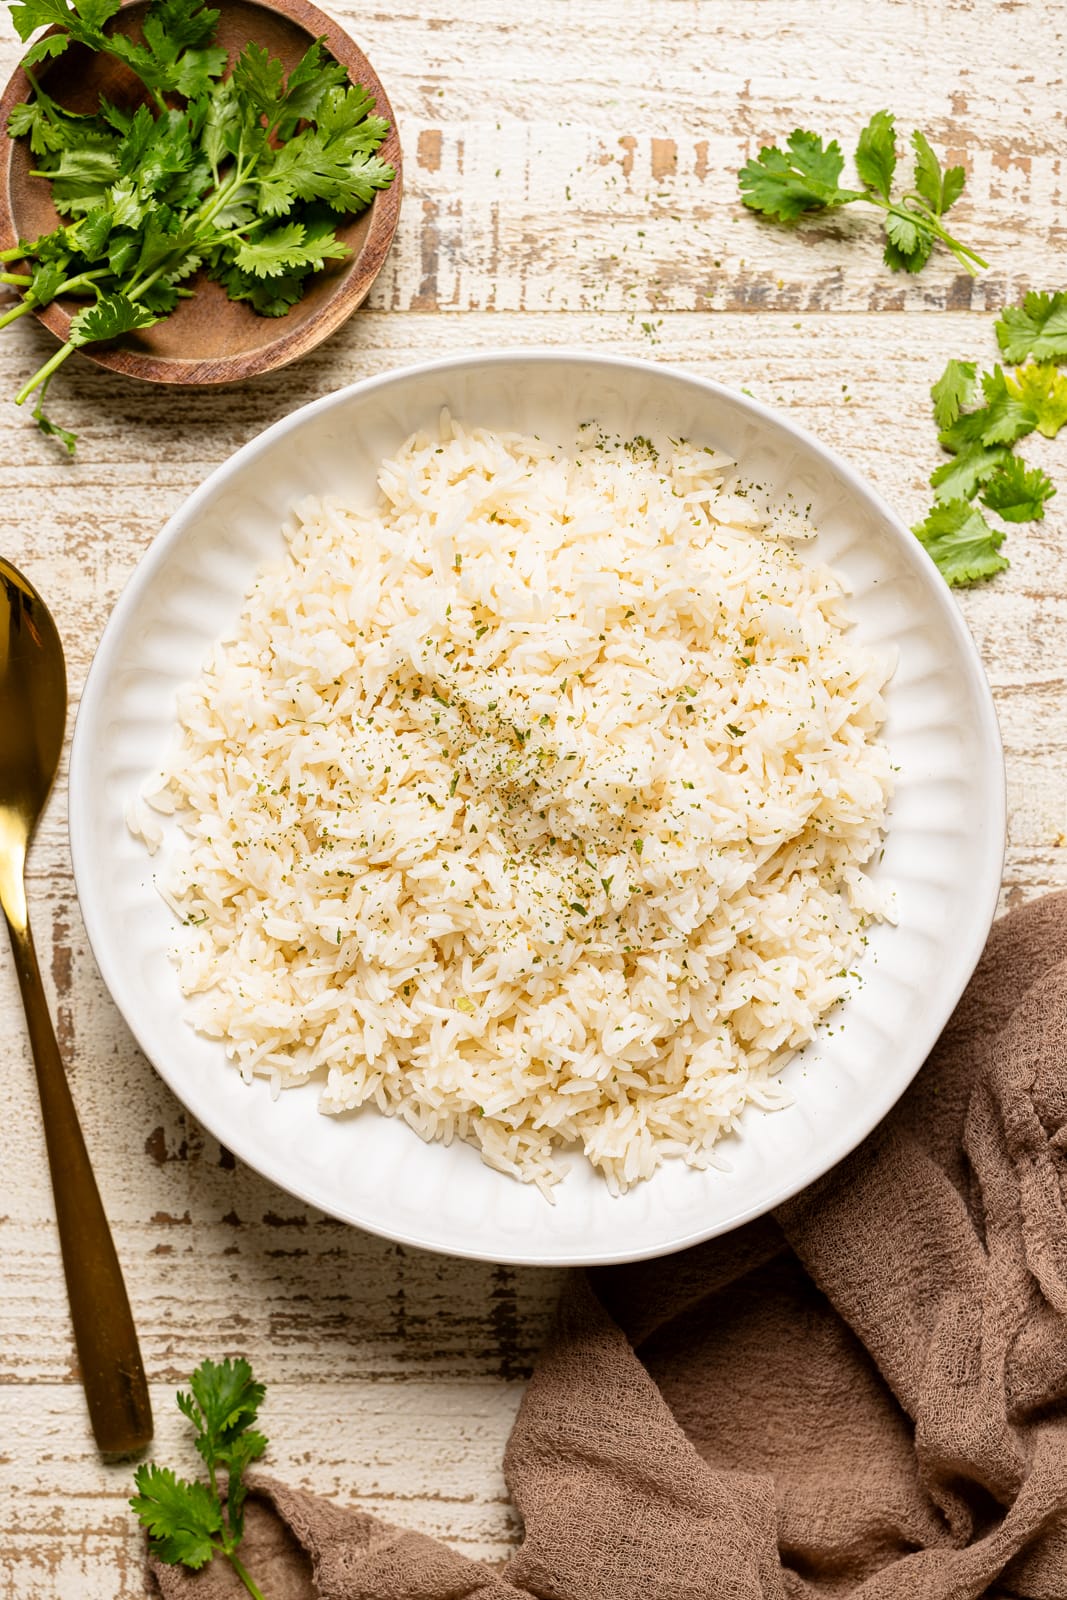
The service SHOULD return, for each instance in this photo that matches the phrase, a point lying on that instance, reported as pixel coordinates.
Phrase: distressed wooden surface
(570, 181)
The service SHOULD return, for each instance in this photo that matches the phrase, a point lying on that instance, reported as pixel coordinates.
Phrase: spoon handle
(112, 1372)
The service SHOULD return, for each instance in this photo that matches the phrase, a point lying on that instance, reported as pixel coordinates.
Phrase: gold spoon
(33, 715)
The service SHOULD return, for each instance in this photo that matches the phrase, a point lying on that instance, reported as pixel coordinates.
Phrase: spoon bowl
(33, 714)
(33, 703)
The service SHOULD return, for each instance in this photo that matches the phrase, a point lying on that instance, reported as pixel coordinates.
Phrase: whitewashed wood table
(571, 180)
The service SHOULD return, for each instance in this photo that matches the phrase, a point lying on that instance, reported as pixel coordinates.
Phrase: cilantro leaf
(30, 122)
(939, 189)
(1003, 419)
(94, 13)
(291, 245)
(314, 75)
(187, 24)
(1017, 492)
(348, 111)
(786, 185)
(81, 177)
(48, 279)
(52, 429)
(960, 476)
(45, 49)
(314, 167)
(29, 15)
(1044, 390)
(876, 153)
(257, 78)
(182, 1518)
(961, 542)
(160, 298)
(270, 297)
(908, 239)
(91, 233)
(112, 316)
(1008, 418)
(135, 140)
(953, 390)
(1036, 328)
(902, 231)
(912, 259)
(225, 1399)
(175, 35)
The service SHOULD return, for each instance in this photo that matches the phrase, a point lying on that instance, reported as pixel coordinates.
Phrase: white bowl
(944, 849)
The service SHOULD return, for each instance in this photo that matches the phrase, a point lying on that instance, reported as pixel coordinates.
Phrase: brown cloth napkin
(865, 1396)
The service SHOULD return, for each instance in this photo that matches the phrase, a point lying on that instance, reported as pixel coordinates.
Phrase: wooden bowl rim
(351, 291)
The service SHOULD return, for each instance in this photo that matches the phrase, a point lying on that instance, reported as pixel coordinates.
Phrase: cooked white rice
(531, 804)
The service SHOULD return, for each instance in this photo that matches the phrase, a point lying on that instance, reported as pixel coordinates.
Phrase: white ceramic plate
(944, 850)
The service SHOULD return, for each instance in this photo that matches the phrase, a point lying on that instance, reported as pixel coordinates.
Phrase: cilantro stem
(958, 249)
(924, 218)
(76, 282)
(46, 371)
(15, 277)
(17, 254)
(245, 1576)
(16, 311)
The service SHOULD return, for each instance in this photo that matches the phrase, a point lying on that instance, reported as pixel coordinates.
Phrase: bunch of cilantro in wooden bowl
(191, 195)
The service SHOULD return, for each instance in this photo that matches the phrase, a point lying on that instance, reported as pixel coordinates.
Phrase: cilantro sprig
(242, 177)
(980, 418)
(805, 177)
(1037, 328)
(190, 1522)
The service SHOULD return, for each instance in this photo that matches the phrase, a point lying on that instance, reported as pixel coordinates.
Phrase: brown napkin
(865, 1396)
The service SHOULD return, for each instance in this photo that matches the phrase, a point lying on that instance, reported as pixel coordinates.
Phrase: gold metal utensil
(33, 714)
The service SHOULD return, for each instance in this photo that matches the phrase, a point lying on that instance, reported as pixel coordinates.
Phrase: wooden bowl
(209, 338)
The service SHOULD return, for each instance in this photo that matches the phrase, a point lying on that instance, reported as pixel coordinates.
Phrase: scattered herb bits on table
(243, 175)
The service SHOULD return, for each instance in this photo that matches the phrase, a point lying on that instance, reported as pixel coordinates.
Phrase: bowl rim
(291, 344)
(92, 707)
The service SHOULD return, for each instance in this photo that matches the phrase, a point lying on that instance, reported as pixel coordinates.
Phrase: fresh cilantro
(290, 246)
(306, 87)
(785, 184)
(1043, 390)
(1017, 492)
(907, 243)
(953, 390)
(1037, 328)
(980, 437)
(1003, 419)
(112, 316)
(876, 154)
(182, 1518)
(961, 542)
(259, 80)
(962, 474)
(52, 429)
(242, 176)
(190, 1522)
(940, 189)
